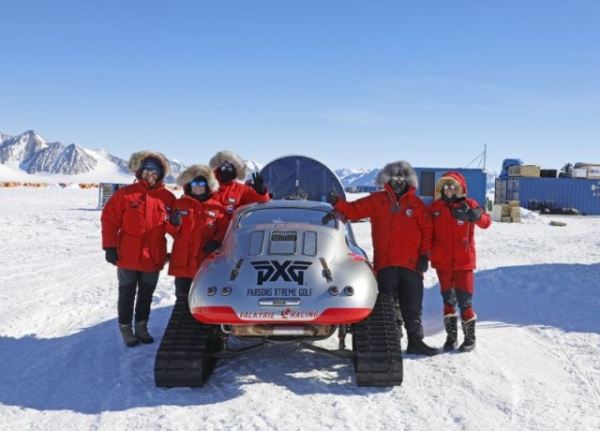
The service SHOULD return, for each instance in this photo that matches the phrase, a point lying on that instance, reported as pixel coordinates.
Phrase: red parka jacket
(134, 221)
(235, 194)
(400, 228)
(201, 222)
(453, 245)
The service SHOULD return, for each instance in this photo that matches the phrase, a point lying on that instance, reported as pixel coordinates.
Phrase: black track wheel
(376, 344)
(185, 356)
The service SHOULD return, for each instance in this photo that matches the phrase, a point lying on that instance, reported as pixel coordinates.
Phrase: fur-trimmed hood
(137, 159)
(199, 170)
(234, 159)
(398, 168)
(455, 178)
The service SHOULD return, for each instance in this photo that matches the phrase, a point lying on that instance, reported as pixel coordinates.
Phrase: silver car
(291, 268)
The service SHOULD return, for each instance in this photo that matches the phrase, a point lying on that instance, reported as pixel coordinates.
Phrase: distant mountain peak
(361, 177)
(19, 149)
(29, 153)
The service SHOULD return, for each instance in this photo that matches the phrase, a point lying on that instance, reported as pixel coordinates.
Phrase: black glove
(423, 264)
(211, 246)
(258, 184)
(461, 212)
(175, 218)
(465, 213)
(327, 218)
(474, 214)
(111, 255)
(332, 198)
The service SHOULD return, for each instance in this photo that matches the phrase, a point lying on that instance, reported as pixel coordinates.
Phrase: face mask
(227, 172)
(398, 185)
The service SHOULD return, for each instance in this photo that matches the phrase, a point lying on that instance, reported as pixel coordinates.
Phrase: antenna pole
(484, 154)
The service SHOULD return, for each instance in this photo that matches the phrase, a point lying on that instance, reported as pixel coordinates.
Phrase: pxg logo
(273, 270)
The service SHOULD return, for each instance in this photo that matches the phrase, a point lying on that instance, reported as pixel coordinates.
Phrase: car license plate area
(279, 302)
(283, 242)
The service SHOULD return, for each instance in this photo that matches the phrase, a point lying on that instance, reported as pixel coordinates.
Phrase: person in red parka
(401, 232)
(233, 194)
(454, 218)
(197, 224)
(133, 237)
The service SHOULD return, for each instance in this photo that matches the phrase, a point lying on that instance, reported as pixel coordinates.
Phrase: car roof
(281, 203)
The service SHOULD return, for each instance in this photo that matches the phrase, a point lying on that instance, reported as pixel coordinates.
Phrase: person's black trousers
(134, 284)
(407, 286)
(182, 288)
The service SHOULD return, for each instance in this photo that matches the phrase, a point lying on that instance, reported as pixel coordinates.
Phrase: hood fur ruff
(398, 168)
(451, 178)
(136, 159)
(199, 170)
(234, 159)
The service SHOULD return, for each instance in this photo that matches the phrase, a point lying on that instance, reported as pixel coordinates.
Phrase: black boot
(141, 331)
(129, 339)
(469, 331)
(416, 346)
(451, 325)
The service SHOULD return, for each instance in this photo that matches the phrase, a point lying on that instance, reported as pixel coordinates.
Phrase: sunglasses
(450, 187)
(198, 183)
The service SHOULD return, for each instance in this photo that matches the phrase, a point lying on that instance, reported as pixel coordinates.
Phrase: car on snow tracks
(288, 271)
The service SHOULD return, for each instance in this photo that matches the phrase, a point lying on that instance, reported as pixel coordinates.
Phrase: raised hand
(258, 183)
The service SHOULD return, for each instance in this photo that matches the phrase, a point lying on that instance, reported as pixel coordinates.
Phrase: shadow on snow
(92, 372)
(564, 296)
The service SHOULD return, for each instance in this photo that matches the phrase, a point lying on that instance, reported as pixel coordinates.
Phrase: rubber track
(184, 356)
(376, 343)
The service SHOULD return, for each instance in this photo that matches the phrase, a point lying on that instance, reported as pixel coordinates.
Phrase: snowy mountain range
(357, 177)
(29, 156)
(31, 153)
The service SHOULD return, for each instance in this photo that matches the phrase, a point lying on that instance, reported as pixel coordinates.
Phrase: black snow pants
(182, 288)
(407, 286)
(130, 283)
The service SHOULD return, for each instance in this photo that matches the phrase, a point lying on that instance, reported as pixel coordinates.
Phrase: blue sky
(353, 83)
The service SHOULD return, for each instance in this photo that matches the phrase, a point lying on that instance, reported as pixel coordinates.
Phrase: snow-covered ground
(63, 365)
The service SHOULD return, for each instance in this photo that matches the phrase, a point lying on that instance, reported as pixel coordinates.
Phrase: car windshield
(291, 217)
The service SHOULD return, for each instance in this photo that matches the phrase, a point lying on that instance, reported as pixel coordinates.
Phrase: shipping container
(579, 193)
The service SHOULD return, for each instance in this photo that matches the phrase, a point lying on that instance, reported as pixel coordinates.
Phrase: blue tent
(300, 177)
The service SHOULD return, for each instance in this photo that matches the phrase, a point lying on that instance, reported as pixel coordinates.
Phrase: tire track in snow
(579, 370)
(516, 388)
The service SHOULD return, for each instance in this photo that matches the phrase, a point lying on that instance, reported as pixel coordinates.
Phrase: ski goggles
(198, 183)
(151, 165)
(449, 187)
(397, 179)
(226, 167)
